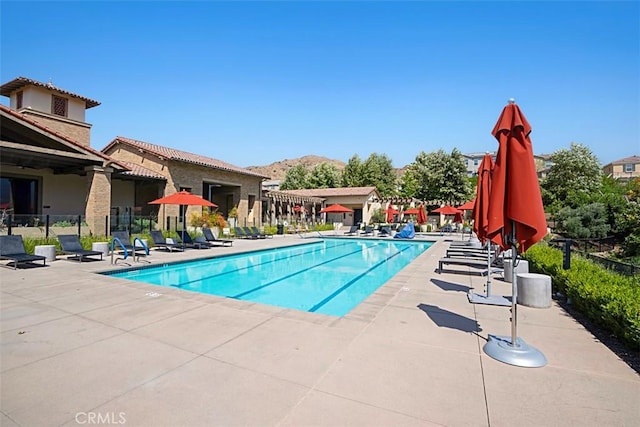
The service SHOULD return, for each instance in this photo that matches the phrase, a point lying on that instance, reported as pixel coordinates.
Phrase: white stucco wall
(39, 99)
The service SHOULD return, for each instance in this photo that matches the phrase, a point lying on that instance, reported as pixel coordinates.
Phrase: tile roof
(182, 156)
(332, 192)
(21, 82)
(59, 135)
(137, 170)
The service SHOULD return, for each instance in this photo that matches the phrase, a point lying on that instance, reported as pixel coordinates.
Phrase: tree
(352, 172)
(442, 176)
(324, 175)
(295, 178)
(377, 171)
(588, 221)
(408, 183)
(574, 176)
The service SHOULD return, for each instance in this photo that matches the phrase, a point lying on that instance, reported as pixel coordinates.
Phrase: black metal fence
(590, 249)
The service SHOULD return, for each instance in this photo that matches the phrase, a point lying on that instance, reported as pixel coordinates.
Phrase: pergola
(280, 205)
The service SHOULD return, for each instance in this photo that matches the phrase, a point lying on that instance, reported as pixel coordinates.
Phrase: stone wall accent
(78, 131)
(98, 206)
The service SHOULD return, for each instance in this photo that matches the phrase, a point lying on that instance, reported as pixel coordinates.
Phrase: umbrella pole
(488, 290)
(514, 288)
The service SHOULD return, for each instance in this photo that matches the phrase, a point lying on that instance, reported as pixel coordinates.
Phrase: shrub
(607, 298)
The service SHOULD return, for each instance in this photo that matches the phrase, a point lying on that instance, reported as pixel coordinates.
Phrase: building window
(59, 105)
(19, 100)
(629, 167)
(475, 162)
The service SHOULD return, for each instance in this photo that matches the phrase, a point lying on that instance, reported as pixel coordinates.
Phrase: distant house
(472, 163)
(623, 169)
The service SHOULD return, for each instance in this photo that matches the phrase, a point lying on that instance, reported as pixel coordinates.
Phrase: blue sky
(251, 83)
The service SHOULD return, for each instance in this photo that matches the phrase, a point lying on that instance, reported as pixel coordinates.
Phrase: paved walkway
(81, 349)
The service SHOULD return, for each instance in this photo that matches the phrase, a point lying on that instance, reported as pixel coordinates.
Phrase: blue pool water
(330, 277)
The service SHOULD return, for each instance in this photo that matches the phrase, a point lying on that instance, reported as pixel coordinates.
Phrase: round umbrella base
(521, 354)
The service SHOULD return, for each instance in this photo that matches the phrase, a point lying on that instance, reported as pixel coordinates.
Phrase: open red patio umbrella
(183, 198)
(458, 218)
(516, 220)
(467, 206)
(336, 208)
(411, 211)
(481, 208)
(422, 215)
(446, 210)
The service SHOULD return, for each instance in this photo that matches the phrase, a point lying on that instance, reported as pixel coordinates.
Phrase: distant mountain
(278, 170)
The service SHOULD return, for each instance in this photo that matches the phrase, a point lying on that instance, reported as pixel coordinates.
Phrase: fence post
(9, 222)
(46, 226)
(106, 225)
(79, 225)
(566, 263)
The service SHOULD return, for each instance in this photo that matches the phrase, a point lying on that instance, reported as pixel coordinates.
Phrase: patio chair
(384, 231)
(121, 242)
(254, 232)
(368, 230)
(240, 232)
(353, 230)
(12, 248)
(188, 242)
(70, 244)
(211, 238)
(160, 242)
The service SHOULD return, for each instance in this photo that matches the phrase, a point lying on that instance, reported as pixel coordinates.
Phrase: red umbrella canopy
(446, 210)
(412, 211)
(183, 198)
(335, 209)
(481, 208)
(467, 206)
(422, 215)
(515, 203)
(458, 218)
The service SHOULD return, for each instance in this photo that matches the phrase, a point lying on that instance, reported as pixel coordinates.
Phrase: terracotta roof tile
(632, 159)
(21, 82)
(332, 192)
(141, 171)
(182, 156)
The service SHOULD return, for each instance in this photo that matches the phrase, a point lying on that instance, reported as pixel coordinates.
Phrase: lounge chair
(188, 242)
(254, 233)
(211, 238)
(70, 244)
(12, 248)
(368, 230)
(122, 242)
(476, 263)
(353, 230)
(240, 232)
(384, 231)
(255, 230)
(160, 242)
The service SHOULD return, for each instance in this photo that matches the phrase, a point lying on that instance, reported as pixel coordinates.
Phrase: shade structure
(458, 218)
(516, 220)
(481, 208)
(183, 198)
(422, 215)
(467, 206)
(336, 208)
(390, 212)
(446, 210)
(411, 211)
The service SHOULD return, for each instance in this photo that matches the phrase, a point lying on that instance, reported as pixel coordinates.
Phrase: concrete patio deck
(84, 349)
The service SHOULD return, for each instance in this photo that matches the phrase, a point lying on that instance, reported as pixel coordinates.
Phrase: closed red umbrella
(391, 211)
(336, 208)
(481, 208)
(458, 218)
(422, 215)
(515, 202)
(516, 219)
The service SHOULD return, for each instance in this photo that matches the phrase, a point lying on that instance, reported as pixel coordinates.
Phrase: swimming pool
(331, 276)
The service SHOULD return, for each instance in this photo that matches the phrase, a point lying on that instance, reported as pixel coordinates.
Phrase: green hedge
(607, 298)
